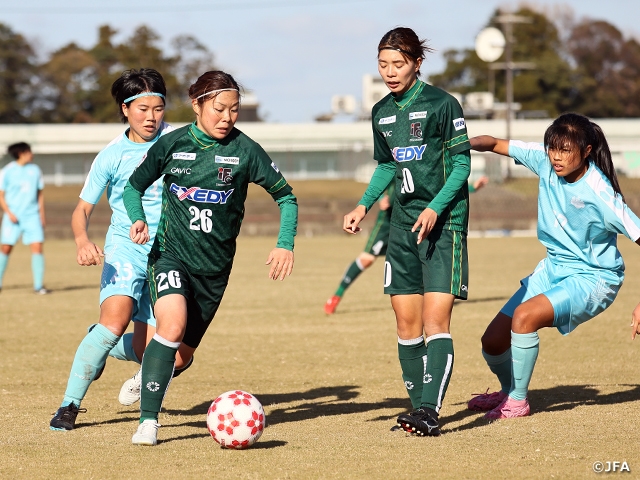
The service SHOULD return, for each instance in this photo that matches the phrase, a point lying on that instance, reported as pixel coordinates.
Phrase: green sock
(438, 370)
(524, 353)
(349, 276)
(413, 357)
(500, 365)
(157, 368)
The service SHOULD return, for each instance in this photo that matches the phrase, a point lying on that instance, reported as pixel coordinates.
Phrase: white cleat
(130, 391)
(147, 433)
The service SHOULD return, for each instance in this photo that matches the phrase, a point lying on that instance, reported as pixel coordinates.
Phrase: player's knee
(366, 260)
(524, 320)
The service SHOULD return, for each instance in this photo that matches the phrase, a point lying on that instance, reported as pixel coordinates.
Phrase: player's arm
(281, 258)
(635, 321)
(87, 252)
(487, 143)
(380, 180)
(5, 208)
(41, 207)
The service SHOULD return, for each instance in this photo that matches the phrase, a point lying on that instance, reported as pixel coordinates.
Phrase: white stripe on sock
(447, 372)
(166, 342)
(413, 341)
(437, 336)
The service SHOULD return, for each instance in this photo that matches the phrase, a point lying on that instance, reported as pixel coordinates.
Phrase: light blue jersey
(111, 169)
(578, 223)
(21, 184)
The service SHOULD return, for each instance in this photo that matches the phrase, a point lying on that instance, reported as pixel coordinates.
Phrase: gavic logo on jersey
(183, 156)
(459, 124)
(202, 195)
(406, 154)
(387, 120)
(185, 171)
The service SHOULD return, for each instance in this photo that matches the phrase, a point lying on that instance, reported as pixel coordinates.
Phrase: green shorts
(168, 275)
(438, 264)
(379, 238)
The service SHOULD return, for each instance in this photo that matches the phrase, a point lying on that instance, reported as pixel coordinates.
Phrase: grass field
(331, 386)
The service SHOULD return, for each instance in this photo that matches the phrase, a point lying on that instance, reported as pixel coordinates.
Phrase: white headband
(217, 91)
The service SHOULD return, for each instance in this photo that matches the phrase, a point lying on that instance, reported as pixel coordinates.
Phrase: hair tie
(143, 94)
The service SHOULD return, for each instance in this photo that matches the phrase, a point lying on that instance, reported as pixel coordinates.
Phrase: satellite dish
(490, 44)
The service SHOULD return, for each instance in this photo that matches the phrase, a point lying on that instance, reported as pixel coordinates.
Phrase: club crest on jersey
(459, 124)
(227, 160)
(414, 115)
(224, 174)
(201, 195)
(406, 154)
(183, 156)
(387, 120)
(415, 132)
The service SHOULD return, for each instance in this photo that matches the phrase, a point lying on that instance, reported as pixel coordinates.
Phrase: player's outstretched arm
(487, 143)
(353, 219)
(281, 261)
(87, 252)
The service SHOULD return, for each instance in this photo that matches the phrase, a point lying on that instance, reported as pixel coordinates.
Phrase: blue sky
(293, 54)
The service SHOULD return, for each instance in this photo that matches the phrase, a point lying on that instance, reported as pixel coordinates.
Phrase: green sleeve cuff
(132, 200)
(380, 180)
(459, 175)
(472, 189)
(288, 221)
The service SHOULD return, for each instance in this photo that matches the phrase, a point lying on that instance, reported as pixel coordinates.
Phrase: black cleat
(420, 422)
(65, 417)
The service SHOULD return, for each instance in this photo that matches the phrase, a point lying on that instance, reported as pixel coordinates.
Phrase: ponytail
(601, 156)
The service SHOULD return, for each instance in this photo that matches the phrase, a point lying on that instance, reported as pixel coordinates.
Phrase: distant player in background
(22, 201)
(581, 211)
(124, 290)
(207, 167)
(420, 139)
(377, 244)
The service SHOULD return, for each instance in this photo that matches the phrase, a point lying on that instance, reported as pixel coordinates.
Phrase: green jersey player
(207, 167)
(420, 138)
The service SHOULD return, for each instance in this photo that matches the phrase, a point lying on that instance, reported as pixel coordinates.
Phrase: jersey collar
(205, 141)
(407, 98)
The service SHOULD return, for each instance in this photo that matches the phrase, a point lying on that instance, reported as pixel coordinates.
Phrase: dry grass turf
(330, 386)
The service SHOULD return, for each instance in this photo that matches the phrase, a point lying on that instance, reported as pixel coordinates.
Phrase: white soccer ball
(236, 419)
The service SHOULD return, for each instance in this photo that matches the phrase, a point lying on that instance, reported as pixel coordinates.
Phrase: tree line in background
(587, 66)
(71, 85)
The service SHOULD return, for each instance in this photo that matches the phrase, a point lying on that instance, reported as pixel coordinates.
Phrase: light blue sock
(524, 353)
(4, 260)
(37, 268)
(124, 349)
(90, 357)
(500, 365)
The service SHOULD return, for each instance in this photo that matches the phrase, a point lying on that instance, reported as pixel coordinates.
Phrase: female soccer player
(124, 291)
(581, 211)
(207, 167)
(420, 137)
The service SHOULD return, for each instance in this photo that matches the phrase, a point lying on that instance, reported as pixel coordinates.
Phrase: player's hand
(88, 253)
(281, 261)
(139, 232)
(353, 219)
(425, 223)
(481, 182)
(384, 203)
(635, 322)
(12, 217)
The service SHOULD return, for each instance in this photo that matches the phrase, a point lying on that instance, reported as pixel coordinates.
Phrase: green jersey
(205, 188)
(423, 131)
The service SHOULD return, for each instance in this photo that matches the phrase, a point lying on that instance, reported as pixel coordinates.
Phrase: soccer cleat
(65, 417)
(509, 408)
(147, 433)
(42, 291)
(419, 422)
(130, 391)
(483, 402)
(331, 305)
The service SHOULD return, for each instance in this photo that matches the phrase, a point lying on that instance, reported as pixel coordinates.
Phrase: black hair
(209, 82)
(132, 82)
(18, 149)
(405, 41)
(578, 131)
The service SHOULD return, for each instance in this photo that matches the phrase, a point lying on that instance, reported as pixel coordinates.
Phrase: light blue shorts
(29, 227)
(125, 273)
(576, 295)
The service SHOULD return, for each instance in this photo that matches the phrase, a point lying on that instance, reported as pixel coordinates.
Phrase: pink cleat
(483, 402)
(331, 305)
(509, 408)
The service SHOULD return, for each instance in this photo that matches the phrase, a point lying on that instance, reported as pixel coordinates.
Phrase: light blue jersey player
(22, 201)
(124, 293)
(581, 212)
